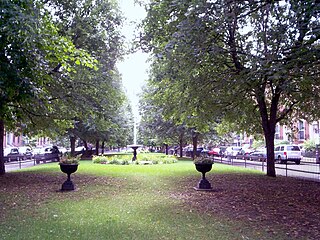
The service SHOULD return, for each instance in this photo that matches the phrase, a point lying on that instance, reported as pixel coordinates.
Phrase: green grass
(123, 202)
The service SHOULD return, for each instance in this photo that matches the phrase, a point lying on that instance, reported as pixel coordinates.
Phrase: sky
(134, 66)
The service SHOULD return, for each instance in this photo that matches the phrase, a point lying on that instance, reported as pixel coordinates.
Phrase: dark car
(12, 154)
(51, 153)
(244, 154)
(200, 150)
(258, 155)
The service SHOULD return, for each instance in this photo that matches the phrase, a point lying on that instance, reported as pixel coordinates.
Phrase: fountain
(134, 146)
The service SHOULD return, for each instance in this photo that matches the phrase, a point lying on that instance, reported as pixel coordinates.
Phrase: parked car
(189, 151)
(214, 152)
(63, 150)
(26, 152)
(12, 154)
(233, 151)
(223, 151)
(49, 153)
(285, 153)
(258, 155)
(244, 153)
(79, 150)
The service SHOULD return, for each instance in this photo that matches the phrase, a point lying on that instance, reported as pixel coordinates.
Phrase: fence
(20, 163)
(23, 163)
(307, 169)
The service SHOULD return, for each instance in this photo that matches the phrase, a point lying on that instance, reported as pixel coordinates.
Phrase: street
(306, 170)
(15, 165)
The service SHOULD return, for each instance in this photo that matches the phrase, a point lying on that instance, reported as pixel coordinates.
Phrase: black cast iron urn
(68, 169)
(203, 184)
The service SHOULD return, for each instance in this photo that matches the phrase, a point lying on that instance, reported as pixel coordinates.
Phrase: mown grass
(117, 202)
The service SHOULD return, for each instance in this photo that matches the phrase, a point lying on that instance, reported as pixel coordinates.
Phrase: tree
(30, 50)
(154, 126)
(259, 59)
(95, 94)
(162, 121)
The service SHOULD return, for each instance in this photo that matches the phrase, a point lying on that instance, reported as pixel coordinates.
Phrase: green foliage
(217, 64)
(101, 111)
(31, 50)
(309, 145)
(258, 144)
(68, 159)
(113, 159)
(157, 158)
(203, 160)
(281, 142)
(141, 158)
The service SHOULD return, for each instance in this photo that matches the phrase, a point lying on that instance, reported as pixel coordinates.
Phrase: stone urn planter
(68, 169)
(203, 166)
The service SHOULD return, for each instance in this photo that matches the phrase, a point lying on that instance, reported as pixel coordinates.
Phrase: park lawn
(134, 202)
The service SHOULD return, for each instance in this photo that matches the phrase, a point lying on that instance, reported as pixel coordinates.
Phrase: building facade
(12, 140)
(300, 132)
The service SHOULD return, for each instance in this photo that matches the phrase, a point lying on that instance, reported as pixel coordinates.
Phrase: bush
(127, 159)
(99, 159)
(309, 145)
(258, 144)
(283, 142)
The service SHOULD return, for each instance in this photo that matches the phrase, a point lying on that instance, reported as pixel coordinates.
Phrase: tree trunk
(167, 148)
(85, 145)
(269, 128)
(195, 143)
(180, 143)
(2, 166)
(271, 171)
(102, 148)
(73, 145)
(97, 147)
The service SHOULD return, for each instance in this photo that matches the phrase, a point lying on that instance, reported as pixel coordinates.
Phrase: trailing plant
(68, 159)
(203, 160)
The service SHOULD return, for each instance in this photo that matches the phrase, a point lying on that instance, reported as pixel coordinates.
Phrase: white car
(233, 151)
(26, 152)
(284, 153)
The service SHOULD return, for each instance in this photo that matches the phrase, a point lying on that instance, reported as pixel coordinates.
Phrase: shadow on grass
(138, 202)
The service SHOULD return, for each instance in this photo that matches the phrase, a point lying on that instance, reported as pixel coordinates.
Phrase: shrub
(99, 159)
(309, 145)
(127, 159)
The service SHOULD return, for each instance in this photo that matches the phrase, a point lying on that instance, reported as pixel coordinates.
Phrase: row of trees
(244, 64)
(58, 73)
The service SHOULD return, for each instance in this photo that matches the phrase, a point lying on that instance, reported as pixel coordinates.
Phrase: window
(277, 133)
(315, 128)
(293, 148)
(301, 129)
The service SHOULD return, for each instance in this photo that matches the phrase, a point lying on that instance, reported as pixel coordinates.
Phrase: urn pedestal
(68, 169)
(203, 184)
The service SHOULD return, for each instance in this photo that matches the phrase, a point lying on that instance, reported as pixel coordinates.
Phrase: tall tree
(93, 94)
(30, 50)
(258, 59)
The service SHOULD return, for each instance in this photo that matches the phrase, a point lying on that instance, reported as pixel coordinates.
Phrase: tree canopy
(246, 62)
(58, 65)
